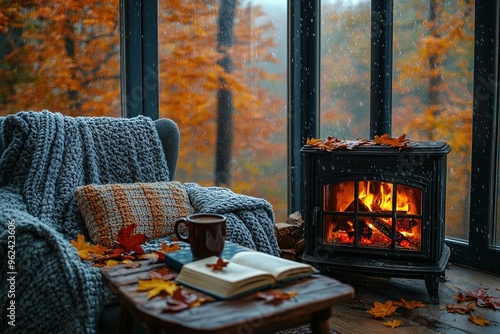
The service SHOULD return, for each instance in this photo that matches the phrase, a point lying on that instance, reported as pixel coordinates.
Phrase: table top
(314, 294)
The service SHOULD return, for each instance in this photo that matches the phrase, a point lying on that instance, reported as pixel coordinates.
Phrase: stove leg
(432, 285)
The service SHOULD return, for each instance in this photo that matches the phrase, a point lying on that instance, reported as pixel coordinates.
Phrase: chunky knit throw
(46, 157)
(250, 220)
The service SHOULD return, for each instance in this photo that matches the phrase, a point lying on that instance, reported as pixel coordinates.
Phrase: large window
(223, 80)
(249, 81)
(425, 51)
(432, 63)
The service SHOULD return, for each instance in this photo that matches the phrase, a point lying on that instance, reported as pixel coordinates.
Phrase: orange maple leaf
(219, 265)
(409, 305)
(131, 242)
(479, 320)
(386, 140)
(166, 249)
(380, 310)
(393, 323)
(460, 297)
(459, 308)
(85, 249)
(275, 296)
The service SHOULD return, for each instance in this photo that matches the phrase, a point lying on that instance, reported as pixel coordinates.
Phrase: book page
(232, 280)
(232, 273)
(277, 266)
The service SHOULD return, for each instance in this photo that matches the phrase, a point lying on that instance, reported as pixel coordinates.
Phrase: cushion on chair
(153, 207)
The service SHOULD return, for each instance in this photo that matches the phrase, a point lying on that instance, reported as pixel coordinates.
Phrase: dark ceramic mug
(206, 233)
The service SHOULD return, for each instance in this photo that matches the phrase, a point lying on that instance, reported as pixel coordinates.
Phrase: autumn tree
(225, 97)
(190, 79)
(64, 56)
(440, 105)
(60, 55)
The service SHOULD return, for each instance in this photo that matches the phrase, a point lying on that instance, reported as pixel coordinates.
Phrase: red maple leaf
(483, 299)
(163, 273)
(181, 300)
(131, 242)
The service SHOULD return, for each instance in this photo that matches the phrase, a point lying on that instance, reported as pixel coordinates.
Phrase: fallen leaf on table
(131, 264)
(156, 286)
(86, 251)
(479, 320)
(381, 310)
(111, 263)
(163, 273)
(275, 296)
(131, 242)
(409, 305)
(393, 323)
(181, 300)
(219, 265)
(166, 249)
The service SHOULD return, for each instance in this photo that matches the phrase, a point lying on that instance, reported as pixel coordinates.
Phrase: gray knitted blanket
(246, 216)
(46, 156)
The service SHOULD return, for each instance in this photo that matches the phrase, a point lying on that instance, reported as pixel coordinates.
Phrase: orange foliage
(62, 56)
(189, 82)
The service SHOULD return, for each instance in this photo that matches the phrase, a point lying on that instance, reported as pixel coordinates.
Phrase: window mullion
(303, 88)
(381, 67)
(139, 58)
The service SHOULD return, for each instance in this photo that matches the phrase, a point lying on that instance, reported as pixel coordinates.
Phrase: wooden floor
(351, 317)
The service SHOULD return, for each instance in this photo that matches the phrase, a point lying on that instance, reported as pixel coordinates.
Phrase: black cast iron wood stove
(377, 210)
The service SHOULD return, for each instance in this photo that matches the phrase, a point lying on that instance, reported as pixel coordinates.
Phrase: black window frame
(139, 44)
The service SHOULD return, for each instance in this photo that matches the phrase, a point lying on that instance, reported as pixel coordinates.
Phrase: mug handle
(176, 229)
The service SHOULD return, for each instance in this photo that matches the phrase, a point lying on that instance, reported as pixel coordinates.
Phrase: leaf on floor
(409, 305)
(459, 308)
(393, 323)
(479, 320)
(381, 310)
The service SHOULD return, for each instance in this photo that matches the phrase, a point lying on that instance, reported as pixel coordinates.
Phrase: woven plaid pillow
(153, 207)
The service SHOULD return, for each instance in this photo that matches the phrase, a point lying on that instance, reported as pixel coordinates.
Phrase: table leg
(126, 321)
(320, 323)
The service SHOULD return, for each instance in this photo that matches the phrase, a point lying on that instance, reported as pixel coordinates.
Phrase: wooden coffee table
(312, 304)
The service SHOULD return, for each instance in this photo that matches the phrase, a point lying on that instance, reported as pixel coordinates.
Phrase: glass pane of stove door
(366, 209)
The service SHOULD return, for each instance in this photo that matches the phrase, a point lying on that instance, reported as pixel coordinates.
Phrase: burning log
(378, 223)
(406, 224)
(386, 229)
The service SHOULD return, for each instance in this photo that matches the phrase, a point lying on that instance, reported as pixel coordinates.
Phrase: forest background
(223, 79)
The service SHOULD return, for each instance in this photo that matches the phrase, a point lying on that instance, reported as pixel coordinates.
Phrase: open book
(246, 272)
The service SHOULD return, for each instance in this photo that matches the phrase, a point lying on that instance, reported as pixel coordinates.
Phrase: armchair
(44, 157)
